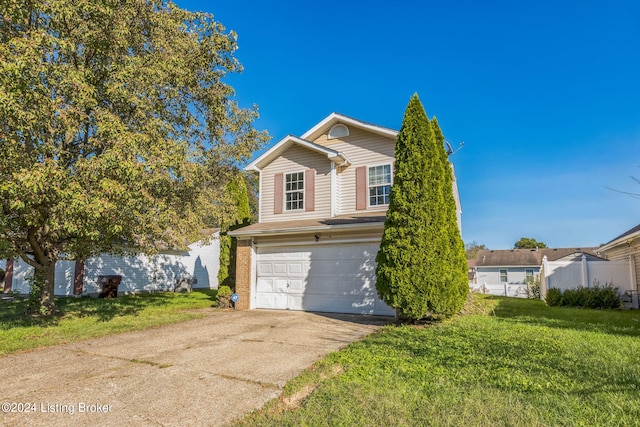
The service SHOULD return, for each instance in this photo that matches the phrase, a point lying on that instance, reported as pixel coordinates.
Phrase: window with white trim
(379, 185)
(503, 275)
(528, 275)
(294, 191)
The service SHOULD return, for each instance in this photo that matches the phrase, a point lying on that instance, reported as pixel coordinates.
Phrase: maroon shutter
(8, 276)
(310, 190)
(78, 278)
(361, 187)
(278, 193)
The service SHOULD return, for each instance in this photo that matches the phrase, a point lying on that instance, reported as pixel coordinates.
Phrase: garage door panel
(295, 269)
(265, 269)
(332, 278)
(296, 302)
(264, 284)
(279, 268)
(271, 300)
(296, 285)
(320, 286)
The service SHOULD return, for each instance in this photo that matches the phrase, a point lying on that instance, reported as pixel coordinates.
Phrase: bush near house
(224, 297)
(607, 297)
(554, 297)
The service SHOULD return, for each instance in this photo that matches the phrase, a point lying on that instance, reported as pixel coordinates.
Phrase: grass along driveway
(82, 318)
(514, 362)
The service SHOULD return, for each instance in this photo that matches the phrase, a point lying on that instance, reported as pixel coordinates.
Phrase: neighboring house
(625, 247)
(198, 265)
(507, 272)
(323, 200)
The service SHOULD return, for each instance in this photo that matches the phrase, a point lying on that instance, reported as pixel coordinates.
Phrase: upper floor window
(503, 275)
(379, 185)
(294, 191)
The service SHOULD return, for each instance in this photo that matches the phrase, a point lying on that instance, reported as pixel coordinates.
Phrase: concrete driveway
(203, 372)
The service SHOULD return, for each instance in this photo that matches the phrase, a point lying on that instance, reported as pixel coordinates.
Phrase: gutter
(626, 239)
(308, 229)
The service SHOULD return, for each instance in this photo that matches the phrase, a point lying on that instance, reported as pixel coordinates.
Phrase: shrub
(533, 287)
(224, 297)
(570, 297)
(579, 297)
(554, 297)
(607, 296)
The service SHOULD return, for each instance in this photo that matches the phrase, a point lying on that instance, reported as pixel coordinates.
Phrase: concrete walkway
(205, 372)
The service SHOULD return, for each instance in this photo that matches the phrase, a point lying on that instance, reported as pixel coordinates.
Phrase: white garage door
(330, 278)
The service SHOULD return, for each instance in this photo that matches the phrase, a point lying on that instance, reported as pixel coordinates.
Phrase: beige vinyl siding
(338, 193)
(362, 148)
(622, 253)
(297, 159)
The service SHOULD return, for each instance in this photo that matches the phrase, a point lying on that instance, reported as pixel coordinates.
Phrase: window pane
(293, 191)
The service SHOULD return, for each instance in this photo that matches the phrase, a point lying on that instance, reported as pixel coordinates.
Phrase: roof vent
(338, 131)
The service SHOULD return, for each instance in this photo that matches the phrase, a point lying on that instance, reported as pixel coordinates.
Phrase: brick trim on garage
(244, 253)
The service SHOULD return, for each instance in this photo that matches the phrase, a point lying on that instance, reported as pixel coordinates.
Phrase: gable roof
(335, 118)
(528, 257)
(629, 234)
(289, 140)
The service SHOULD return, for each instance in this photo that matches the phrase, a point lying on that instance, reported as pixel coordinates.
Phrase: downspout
(333, 190)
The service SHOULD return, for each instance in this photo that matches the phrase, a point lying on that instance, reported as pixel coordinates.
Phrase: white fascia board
(309, 229)
(336, 117)
(617, 242)
(509, 266)
(332, 155)
(253, 166)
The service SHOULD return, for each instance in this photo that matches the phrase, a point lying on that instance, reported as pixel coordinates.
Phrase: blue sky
(545, 95)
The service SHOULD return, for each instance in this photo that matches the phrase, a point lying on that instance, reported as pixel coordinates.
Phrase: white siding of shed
(139, 272)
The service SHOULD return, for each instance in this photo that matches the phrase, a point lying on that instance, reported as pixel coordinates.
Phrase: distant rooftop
(526, 257)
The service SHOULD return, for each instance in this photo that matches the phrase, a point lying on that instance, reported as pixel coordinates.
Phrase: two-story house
(323, 199)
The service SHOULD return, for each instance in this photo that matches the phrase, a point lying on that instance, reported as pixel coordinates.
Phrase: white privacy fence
(565, 275)
(571, 274)
(517, 290)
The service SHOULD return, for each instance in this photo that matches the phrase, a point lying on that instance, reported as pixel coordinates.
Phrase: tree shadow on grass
(12, 313)
(537, 313)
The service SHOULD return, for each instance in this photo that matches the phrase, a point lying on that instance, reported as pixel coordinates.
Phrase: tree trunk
(48, 287)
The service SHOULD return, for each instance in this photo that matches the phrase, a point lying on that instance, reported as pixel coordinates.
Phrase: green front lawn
(513, 362)
(82, 318)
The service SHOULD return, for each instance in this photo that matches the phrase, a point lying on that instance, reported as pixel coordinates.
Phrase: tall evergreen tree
(236, 192)
(458, 284)
(419, 263)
